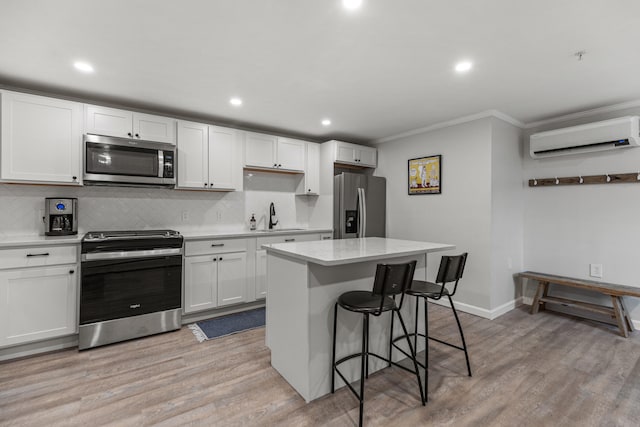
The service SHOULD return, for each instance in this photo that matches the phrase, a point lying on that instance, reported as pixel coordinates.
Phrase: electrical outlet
(185, 215)
(595, 270)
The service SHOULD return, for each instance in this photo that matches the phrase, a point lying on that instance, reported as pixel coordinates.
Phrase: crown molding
(586, 113)
(460, 120)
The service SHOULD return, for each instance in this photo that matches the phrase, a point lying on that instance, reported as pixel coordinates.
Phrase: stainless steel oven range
(131, 285)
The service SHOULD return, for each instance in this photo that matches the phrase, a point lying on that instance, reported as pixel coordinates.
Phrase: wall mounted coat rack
(611, 178)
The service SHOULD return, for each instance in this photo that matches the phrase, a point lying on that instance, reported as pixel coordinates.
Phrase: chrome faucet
(273, 219)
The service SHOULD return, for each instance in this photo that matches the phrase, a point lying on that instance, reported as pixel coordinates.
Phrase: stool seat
(365, 302)
(420, 288)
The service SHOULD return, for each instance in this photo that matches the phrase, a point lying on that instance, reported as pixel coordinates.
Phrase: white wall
(506, 212)
(122, 208)
(569, 227)
(461, 215)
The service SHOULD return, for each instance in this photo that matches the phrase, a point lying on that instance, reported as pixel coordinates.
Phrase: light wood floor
(541, 370)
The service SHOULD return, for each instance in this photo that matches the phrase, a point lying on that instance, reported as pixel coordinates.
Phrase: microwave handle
(160, 164)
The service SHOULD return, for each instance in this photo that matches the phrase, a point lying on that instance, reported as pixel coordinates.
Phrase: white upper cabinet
(41, 139)
(208, 157)
(310, 184)
(291, 154)
(260, 150)
(271, 152)
(127, 124)
(225, 168)
(193, 155)
(354, 154)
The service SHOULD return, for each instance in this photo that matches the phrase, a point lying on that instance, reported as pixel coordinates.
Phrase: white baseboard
(482, 312)
(45, 346)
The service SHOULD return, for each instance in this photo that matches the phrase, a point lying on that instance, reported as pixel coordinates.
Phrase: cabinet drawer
(287, 238)
(203, 247)
(38, 256)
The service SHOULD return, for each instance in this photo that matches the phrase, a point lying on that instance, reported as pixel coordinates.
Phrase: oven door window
(117, 160)
(113, 289)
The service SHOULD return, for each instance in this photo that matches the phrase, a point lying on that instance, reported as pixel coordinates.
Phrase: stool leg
(464, 344)
(393, 313)
(413, 358)
(367, 341)
(415, 329)
(426, 350)
(333, 358)
(365, 330)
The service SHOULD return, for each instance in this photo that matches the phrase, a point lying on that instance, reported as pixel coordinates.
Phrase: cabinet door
(345, 152)
(367, 156)
(154, 128)
(37, 303)
(260, 150)
(41, 139)
(200, 287)
(193, 155)
(224, 166)
(261, 274)
(232, 278)
(310, 185)
(108, 121)
(291, 154)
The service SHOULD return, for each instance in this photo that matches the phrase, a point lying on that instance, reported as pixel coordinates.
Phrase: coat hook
(608, 178)
(557, 181)
(581, 180)
(535, 181)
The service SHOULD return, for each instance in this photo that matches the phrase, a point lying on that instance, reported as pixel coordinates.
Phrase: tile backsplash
(124, 208)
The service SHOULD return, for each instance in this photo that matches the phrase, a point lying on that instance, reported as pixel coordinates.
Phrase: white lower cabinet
(216, 279)
(37, 303)
(261, 274)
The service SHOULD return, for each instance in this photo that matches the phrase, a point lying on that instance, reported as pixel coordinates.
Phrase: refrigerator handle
(362, 213)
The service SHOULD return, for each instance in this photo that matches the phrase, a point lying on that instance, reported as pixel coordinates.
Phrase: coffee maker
(61, 216)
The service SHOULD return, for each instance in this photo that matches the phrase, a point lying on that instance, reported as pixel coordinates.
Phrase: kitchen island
(304, 280)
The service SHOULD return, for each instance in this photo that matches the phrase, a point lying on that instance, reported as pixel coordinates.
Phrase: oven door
(127, 161)
(123, 287)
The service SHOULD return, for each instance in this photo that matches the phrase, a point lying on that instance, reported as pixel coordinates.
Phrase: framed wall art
(425, 175)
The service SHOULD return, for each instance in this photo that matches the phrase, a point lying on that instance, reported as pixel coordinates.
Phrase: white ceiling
(382, 70)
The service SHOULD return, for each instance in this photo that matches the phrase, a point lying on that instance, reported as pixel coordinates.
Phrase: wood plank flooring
(542, 370)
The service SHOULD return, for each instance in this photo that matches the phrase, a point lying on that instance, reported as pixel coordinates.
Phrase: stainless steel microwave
(126, 162)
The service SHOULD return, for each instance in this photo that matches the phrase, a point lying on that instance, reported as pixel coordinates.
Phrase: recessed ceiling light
(85, 67)
(236, 101)
(464, 66)
(326, 122)
(351, 4)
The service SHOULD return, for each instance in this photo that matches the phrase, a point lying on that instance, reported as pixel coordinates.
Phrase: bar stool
(450, 271)
(391, 281)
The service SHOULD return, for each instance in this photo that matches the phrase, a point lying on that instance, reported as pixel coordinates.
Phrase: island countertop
(347, 251)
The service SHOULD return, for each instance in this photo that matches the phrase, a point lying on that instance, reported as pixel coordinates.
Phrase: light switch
(595, 270)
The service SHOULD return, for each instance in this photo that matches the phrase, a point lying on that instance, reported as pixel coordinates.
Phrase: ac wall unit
(599, 136)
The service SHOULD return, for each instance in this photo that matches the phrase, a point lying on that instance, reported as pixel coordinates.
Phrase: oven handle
(131, 254)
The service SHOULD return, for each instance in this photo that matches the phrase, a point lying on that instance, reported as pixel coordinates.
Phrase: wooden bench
(618, 311)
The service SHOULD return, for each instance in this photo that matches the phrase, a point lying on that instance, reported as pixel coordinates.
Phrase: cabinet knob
(215, 259)
(71, 271)
(220, 258)
(75, 178)
(137, 135)
(129, 133)
(211, 184)
(275, 165)
(205, 184)
(279, 165)
(309, 190)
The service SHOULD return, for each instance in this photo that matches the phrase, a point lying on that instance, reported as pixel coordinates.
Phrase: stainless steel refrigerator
(359, 205)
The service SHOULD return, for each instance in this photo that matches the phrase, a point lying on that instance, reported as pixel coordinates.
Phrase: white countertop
(211, 234)
(347, 251)
(37, 240)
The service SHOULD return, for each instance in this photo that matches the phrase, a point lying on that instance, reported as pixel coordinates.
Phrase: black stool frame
(388, 290)
(450, 271)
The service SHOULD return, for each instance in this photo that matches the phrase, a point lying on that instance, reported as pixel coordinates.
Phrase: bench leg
(542, 290)
(627, 317)
(617, 311)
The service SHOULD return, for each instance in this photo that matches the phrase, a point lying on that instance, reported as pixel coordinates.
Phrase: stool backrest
(451, 269)
(392, 280)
